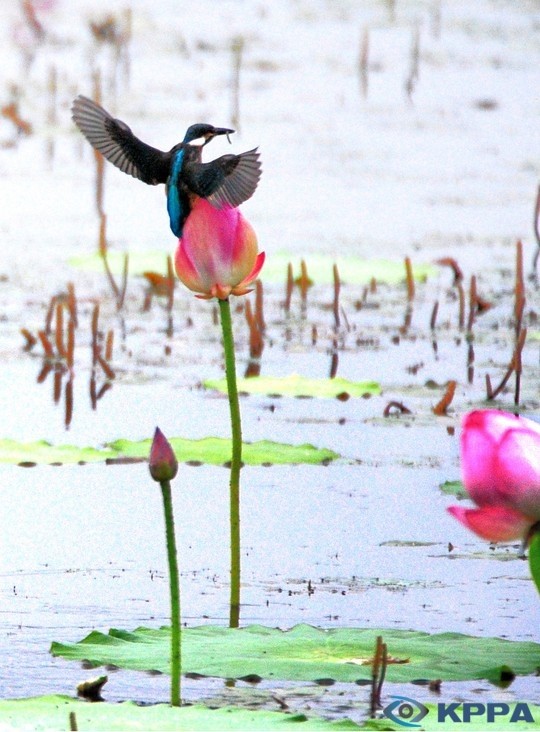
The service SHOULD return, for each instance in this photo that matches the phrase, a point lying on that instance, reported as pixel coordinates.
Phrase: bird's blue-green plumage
(227, 181)
(174, 204)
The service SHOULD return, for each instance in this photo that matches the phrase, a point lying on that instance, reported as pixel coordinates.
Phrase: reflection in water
(63, 389)
(58, 342)
(257, 327)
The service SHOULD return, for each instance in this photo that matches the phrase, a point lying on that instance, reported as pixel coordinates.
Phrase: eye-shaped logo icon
(405, 711)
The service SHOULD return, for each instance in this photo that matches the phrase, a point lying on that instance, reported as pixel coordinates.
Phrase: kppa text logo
(409, 713)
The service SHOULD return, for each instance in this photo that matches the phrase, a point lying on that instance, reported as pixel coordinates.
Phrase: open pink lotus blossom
(217, 255)
(500, 462)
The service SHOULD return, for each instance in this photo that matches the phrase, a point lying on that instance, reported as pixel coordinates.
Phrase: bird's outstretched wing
(115, 141)
(227, 181)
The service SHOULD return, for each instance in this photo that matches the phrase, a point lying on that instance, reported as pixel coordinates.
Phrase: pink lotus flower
(500, 462)
(217, 255)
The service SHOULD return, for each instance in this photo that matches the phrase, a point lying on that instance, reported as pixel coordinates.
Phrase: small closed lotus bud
(162, 461)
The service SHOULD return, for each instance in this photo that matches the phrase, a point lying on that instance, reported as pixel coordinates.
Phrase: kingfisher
(227, 181)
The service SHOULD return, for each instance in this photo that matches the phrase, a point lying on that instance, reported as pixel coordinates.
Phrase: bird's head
(200, 134)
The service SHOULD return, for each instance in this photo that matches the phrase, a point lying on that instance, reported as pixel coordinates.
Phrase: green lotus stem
(236, 461)
(534, 553)
(174, 584)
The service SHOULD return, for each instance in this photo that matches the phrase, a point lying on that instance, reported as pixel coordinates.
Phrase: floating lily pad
(353, 270)
(210, 450)
(299, 386)
(454, 488)
(42, 452)
(217, 451)
(305, 653)
(52, 713)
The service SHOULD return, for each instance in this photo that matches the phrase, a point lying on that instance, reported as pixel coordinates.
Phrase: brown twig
(108, 371)
(414, 69)
(456, 269)
(30, 339)
(434, 313)
(461, 297)
(337, 288)
(11, 112)
(57, 384)
(410, 279)
(440, 409)
(334, 361)
(472, 303)
(378, 673)
(68, 395)
(70, 352)
(95, 333)
(73, 722)
(109, 342)
(536, 229)
(304, 282)
(30, 17)
(47, 347)
(288, 288)
(363, 63)
(516, 359)
(123, 288)
(59, 330)
(259, 306)
(519, 290)
(72, 303)
(398, 407)
(50, 314)
(256, 341)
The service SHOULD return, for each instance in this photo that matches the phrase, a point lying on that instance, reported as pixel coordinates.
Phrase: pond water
(448, 170)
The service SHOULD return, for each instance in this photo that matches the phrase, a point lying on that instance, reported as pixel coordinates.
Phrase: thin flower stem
(236, 461)
(174, 585)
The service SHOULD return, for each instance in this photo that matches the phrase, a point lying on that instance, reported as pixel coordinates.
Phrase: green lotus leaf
(454, 488)
(210, 450)
(299, 386)
(52, 713)
(42, 452)
(353, 270)
(306, 653)
(217, 451)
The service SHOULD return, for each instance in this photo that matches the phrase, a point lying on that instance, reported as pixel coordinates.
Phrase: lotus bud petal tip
(162, 461)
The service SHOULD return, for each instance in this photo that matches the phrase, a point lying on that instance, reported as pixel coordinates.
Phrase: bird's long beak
(221, 131)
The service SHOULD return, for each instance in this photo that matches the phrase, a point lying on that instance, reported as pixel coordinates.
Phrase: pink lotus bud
(162, 461)
(217, 255)
(500, 462)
